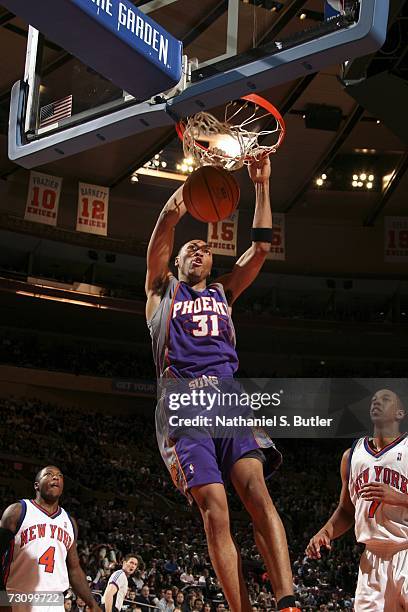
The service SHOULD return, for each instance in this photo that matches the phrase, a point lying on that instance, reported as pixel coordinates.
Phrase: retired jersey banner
(396, 239)
(278, 245)
(93, 207)
(222, 236)
(43, 198)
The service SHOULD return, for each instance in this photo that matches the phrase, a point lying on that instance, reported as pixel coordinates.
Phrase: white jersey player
(38, 549)
(374, 497)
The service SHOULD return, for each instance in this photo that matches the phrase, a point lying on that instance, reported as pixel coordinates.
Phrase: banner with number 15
(222, 236)
(93, 208)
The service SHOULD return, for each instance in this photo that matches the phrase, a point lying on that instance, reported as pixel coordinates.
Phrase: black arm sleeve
(261, 234)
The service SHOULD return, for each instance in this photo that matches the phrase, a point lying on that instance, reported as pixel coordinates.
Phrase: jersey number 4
(202, 328)
(47, 559)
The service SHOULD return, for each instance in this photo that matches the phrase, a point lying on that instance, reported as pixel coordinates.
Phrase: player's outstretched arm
(341, 520)
(77, 577)
(160, 249)
(249, 264)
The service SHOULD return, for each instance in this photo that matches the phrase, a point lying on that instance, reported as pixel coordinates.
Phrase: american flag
(54, 112)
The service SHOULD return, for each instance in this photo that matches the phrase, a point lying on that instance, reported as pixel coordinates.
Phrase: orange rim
(255, 99)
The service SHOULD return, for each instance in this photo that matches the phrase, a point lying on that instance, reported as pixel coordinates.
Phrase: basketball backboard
(231, 48)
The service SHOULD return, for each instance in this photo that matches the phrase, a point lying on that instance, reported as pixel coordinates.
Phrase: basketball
(211, 194)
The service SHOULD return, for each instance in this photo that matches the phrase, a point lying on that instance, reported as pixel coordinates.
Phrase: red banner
(93, 208)
(43, 198)
(278, 246)
(396, 239)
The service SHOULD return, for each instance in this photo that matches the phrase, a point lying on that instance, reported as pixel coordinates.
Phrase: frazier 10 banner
(43, 198)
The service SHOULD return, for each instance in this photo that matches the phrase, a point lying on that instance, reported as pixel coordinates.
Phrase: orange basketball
(211, 194)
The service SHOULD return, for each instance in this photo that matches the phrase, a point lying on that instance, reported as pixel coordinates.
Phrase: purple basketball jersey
(201, 338)
(193, 336)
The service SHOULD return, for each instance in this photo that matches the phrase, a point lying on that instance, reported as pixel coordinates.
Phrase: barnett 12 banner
(93, 208)
(43, 198)
(396, 239)
(222, 236)
(278, 245)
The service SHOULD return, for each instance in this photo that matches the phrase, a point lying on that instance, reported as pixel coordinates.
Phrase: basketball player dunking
(374, 496)
(38, 546)
(193, 337)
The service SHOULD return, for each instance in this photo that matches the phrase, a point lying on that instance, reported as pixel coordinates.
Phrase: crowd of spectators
(350, 306)
(323, 308)
(34, 351)
(124, 502)
(93, 359)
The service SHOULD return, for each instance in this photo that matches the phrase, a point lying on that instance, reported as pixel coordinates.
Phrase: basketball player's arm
(77, 578)
(8, 523)
(250, 263)
(160, 249)
(341, 520)
(8, 529)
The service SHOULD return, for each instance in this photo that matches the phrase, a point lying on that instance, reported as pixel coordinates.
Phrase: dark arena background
(77, 380)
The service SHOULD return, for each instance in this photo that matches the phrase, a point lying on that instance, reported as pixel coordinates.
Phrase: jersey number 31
(203, 329)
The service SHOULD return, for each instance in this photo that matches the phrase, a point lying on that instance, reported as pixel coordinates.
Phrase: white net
(234, 141)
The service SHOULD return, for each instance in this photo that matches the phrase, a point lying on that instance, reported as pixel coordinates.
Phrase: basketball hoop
(233, 140)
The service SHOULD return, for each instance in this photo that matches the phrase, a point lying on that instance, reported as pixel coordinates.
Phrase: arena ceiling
(361, 142)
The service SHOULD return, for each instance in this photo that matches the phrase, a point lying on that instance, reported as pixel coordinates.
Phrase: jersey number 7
(373, 508)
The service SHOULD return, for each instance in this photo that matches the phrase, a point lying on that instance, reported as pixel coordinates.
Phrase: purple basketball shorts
(194, 462)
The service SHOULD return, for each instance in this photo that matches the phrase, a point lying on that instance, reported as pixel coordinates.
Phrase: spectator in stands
(137, 581)
(79, 605)
(68, 604)
(189, 602)
(166, 604)
(131, 601)
(202, 580)
(144, 599)
(187, 577)
(171, 566)
(179, 601)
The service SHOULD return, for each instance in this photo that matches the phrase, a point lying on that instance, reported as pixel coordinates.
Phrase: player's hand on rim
(260, 170)
(320, 539)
